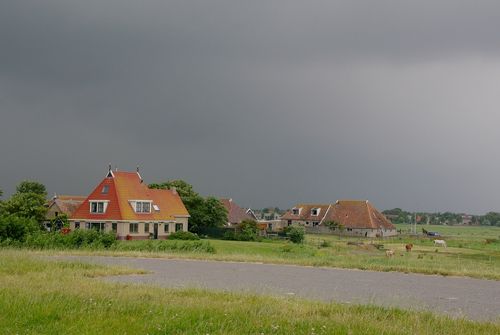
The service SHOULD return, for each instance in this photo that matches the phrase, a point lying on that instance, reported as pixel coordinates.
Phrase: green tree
(27, 202)
(30, 186)
(16, 228)
(204, 212)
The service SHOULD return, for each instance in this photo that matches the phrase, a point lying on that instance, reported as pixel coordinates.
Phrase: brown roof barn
(235, 214)
(358, 217)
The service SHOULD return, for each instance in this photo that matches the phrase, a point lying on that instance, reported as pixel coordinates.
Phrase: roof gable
(235, 214)
(122, 187)
(358, 214)
(306, 212)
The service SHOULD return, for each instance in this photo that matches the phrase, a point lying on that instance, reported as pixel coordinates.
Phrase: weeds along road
(455, 296)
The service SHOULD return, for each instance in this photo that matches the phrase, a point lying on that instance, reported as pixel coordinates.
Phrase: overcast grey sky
(268, 102)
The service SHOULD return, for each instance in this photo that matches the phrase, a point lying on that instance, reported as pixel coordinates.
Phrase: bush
(296, 234)
(229, 235)
(183, 235)
(248, 231)
(164, 246)
(16, 228)
(78, 239)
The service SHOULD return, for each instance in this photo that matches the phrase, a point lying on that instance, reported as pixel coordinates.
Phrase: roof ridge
(326, 212)
(117, 197)
(369, 214)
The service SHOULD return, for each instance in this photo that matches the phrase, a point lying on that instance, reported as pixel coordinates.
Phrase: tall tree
(204, 212)
(28, 201)
(30, 186)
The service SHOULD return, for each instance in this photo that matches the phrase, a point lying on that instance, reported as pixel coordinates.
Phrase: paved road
(459, 297)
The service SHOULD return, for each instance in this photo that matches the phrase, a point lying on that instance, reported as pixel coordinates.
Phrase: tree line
(397, 215)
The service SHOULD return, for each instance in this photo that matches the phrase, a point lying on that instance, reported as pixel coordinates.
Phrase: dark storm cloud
(268, 102)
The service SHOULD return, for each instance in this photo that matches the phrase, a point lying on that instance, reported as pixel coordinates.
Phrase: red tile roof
(351, 213)
(358, 214)
(305, 212)
(235, 214)
(124, 187)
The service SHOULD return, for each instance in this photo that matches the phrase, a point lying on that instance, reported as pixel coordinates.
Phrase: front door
(155, 231)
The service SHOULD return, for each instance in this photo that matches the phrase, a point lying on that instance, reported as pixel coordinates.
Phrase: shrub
(16, 228)
(183, 235)
(229, 235)
(248, 231)
(296, 234)
(88, 239)
(164, 246)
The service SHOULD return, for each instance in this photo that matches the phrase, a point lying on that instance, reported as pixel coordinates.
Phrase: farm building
(61, 206)
(353, 217)
(236, 214)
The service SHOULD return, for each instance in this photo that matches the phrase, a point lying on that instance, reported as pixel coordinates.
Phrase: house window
(165, 227)
(315, 211)
(178, 226)
(146, 227)
(142, 207)
(295, 211)
(97, 207)
(134, 228)
(114, 227)
(289, 222)
(105, 189)
(77, 225)
(315, 223)
(99, 226)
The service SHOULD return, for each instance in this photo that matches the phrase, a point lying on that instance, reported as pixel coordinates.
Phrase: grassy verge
(44, 297)
(472, 251)
(476, 260)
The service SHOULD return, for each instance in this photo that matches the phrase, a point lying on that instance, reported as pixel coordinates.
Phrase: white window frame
(317, 210)
(103, 203)
(138, 206)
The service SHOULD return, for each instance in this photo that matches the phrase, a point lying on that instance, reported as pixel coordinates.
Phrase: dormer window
(315, 211)
(295, 211)
(141, 206)
(98, 207)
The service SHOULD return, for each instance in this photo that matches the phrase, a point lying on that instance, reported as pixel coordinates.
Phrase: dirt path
(471, 298)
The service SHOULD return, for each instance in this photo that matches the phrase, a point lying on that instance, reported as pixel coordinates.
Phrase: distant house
(252, 214)
(60, 206)
(236, 214)
(123, 204)
(355, 218)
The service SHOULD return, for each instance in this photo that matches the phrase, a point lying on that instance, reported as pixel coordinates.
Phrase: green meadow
(471, 251)
(40, 296)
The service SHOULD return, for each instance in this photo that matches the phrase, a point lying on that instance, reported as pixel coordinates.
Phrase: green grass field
(472, 251)
(38, 296)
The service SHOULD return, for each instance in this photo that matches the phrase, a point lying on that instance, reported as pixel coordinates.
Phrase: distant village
(122, 203)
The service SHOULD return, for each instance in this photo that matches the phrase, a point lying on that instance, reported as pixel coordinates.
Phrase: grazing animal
(441, 243)
(408, 247)
(389, 253)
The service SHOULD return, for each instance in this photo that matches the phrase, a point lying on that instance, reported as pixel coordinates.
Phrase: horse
(441, 243)
(408, 247)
